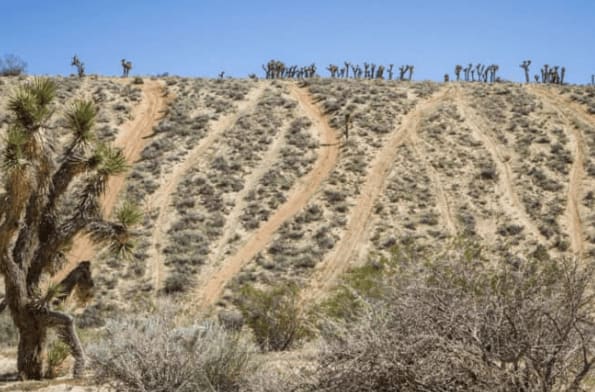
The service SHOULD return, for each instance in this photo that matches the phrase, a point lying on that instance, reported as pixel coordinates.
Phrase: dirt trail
(442, 202)
(132, 138)
(161, 198)
(339, 260)
(577, 170)
(297, 199)
(506, 188)
(251, 182)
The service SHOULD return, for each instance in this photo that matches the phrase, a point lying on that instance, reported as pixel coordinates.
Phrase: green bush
(57, 353)
(274, 315)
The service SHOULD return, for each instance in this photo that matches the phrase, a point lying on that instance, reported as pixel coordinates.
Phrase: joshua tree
(525, 65)
(593, 80)
(126, 67)
(380, 72)
(458, 69)
(37, 220)
(333, 69)
(79, 281)
(402, 72)
(545, 76)
(366, 70)
(466, 71)
(536, 78)
(562, 74)
(347, 65)
(410, 69)
(446, 78)
(80, 66)
(390, 71)
(372, 71)
(221, 74)
(479, 68)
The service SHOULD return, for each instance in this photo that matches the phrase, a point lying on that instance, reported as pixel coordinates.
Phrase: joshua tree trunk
(31, 350)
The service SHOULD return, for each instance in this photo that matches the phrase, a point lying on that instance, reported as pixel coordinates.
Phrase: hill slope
(254, 182)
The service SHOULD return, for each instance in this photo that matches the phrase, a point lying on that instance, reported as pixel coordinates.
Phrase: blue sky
(202, 38)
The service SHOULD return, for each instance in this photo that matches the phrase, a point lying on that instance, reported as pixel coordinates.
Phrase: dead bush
(457, 322)
(151, 353)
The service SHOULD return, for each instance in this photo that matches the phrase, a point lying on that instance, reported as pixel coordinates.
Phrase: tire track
(132, 139)
(442, 202)
(508, 195)
(577, 170)
(161, 198)
(339, 259)
(299, 196)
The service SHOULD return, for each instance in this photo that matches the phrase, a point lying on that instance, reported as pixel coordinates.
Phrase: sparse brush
(151, 353)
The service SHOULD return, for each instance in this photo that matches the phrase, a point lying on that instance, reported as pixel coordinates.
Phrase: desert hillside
(255, 182)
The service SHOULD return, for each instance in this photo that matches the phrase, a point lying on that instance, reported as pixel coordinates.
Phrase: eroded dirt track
(339, 259)
(298, 197)
(509, 199)
(161, 199)
(577, 171)
(132, 138)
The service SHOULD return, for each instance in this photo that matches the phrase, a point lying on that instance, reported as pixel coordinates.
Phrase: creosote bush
(457, 322)
(151, 353)
(274, 315)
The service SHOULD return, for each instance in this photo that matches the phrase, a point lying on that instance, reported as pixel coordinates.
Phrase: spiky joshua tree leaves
(37, 225)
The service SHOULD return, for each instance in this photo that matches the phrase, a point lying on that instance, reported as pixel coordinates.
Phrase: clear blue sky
(201, 38)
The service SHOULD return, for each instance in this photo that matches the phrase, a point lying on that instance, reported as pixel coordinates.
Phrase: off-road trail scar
(161, 198)
(577, 171)
(132, 138)
(442, 202)
(298, 197)
(509, 199)
(339, 260)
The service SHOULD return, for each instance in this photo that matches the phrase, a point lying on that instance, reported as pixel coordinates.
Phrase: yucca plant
(37, 227)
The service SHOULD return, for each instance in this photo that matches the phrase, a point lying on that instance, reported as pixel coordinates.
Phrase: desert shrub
(138, 80)
(57, 352)
(458, 322)
(12, 65)
(274, 315)
(177, 282)
(151, 353)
